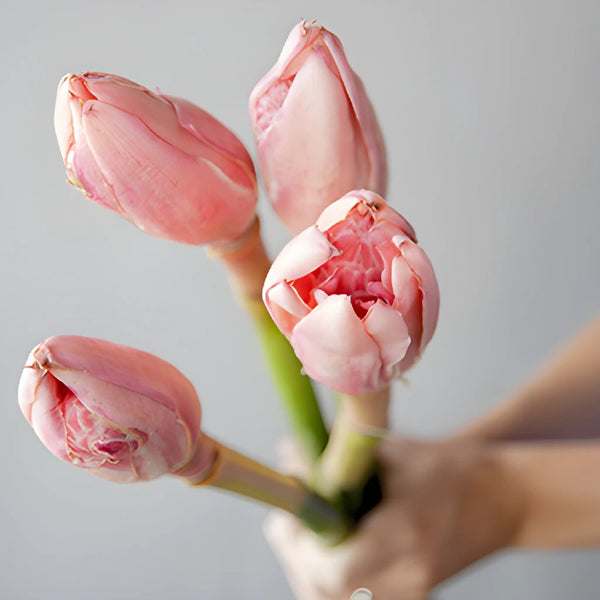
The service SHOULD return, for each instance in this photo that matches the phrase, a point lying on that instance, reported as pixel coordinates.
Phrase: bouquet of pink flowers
(350, 302)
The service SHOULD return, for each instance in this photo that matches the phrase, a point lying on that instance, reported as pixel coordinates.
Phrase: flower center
(91, 439)
(357, 270)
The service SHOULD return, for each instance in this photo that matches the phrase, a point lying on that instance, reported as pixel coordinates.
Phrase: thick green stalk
(241, 475)
(247, 265)
(346, 470)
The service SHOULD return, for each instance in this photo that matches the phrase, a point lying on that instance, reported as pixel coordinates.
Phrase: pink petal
(365, 115)
(39, 399)
(169, 441)
(314, 123)
(158, 185)
(300, 256)
(408, 300)
(421, 267)
(220, 145)
(332, 344)
(337, 211)
(84, 173)
(388, 329)
(285, 306)
(292, 54)
(125, 368)
(62, 117)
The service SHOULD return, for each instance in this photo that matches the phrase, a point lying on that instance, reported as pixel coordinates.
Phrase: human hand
(445, 505)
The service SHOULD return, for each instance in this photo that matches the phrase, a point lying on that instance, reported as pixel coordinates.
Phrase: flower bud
(355, 295)
(161, 162)
(316, 132)
(120, 413)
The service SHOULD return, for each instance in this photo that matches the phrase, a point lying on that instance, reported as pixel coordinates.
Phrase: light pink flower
(159, 161)
(120, 413)
(355, 295)
(316, 132)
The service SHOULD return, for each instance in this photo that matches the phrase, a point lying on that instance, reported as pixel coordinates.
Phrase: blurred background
(490, 112)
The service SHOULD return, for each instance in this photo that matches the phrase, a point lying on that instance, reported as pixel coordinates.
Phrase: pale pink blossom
(316, 132)
(159, 161)
(355, 295)
(120, 413)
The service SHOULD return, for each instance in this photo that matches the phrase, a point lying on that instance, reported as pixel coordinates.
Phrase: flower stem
(247, 265)
(348, 462)
(240, 474)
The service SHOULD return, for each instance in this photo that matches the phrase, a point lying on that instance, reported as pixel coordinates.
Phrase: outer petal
(39, 397)
(125, 367)
(363, 109)
(408, 300)
(300, 256)
(82, 168)
(292, 54)
(158, 185)
(386, 214)
(388, 329)
(332, 344)
(169, 440)
(285, 306)
(209, 130)
(312, 153)
(420, 265)
(179, 123)
(337, 211)
(219, 145)
(62, 117)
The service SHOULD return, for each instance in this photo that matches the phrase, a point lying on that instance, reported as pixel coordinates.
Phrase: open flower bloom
(161, 162)
(355, 295)
(316, 132)
(120, 413)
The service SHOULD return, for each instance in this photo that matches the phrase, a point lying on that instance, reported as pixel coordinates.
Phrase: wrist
(492, 506)
(560, 490)
(500, 494)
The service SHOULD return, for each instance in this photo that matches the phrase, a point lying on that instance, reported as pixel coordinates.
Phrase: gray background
(490, 111)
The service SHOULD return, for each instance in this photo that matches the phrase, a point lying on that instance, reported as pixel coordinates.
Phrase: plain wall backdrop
(491, 114)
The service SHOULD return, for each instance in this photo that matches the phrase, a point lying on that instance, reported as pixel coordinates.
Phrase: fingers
(281, 531)
(314, 571)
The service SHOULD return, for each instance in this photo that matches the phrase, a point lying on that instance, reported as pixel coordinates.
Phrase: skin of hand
(445, 505)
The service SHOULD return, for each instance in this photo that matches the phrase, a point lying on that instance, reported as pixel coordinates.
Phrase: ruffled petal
(285, 306)
(300, 256)
(337, 211)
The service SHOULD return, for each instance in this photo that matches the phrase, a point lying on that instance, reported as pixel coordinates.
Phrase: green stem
(247, 265)
(295, 389)
(241, 475)
(349, 461)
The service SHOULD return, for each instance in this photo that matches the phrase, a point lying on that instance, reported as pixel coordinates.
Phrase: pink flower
(161, 162)
(316, 132)
(355, 295)
(120, 413)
